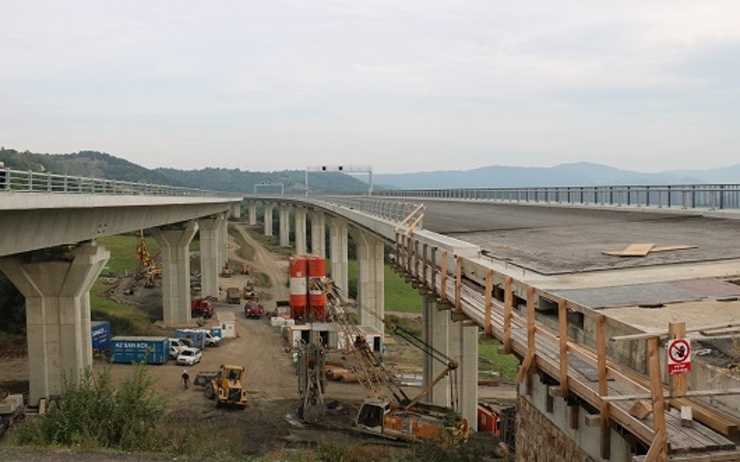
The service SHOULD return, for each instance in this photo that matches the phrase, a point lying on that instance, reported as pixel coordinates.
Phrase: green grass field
(399, 296)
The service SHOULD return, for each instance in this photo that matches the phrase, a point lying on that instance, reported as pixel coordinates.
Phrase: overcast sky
(400, 85)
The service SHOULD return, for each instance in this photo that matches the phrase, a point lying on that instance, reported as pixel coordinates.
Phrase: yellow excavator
(145, 266)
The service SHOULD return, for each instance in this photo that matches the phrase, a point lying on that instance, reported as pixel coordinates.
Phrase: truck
(100, 332)
(233, 295)
(197, 336)
(201, 307)
(254, 309)
(149, 350)
(225, 386)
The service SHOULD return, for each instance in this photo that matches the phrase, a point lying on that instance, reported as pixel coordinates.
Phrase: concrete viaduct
(585, 371)
(589, 327)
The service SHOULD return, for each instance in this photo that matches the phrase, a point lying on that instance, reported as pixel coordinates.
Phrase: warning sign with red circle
(679, 356)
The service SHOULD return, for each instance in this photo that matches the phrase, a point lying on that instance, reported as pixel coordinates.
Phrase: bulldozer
(225, 386)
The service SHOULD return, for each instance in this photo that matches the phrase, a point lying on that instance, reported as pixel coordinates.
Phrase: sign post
(679, 356)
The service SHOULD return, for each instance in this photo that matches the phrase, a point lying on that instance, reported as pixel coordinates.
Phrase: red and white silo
(298, 273)
(316, 296)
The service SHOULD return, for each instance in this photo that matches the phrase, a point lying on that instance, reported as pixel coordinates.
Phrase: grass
(399, 295)
(124, 319)
(505, 365)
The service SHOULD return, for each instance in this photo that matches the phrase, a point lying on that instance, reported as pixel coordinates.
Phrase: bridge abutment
(175, 243)
(57, 293)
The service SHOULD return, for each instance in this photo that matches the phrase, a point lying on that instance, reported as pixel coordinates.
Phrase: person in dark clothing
(185, 379)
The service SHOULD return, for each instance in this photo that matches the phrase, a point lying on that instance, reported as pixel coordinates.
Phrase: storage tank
(298, 273)
(316, 296)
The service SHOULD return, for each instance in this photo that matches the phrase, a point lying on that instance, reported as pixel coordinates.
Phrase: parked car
(189, 356)
(177, 345)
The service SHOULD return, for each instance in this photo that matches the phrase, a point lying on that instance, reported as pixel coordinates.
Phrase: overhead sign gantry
(343, 169)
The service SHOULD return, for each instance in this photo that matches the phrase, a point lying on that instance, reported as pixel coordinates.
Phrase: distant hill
(497, 176)
(102, 165)
(235, 180)
(84, 163)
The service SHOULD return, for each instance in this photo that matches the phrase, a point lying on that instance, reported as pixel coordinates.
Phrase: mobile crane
(399, 417)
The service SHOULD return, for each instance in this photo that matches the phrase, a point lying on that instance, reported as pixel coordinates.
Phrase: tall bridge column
(223, 244)
(252, 213)
(175, 243)
(57, 292)
(211, 237)
(464, 349)
(318, 233)
(268, 219)
(300, 231)
(436, 334)
(338, 232)
(284, 226)
(370, 280)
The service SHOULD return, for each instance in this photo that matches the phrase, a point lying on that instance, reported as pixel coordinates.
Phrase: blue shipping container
(150, 350)
(197, 336)
(100, 331)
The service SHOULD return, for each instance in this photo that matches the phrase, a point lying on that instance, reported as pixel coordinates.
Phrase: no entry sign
(679, 356)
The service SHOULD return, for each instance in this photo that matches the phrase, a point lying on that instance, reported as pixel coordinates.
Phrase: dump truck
(201, 307)
(225, 386)
(233, 295)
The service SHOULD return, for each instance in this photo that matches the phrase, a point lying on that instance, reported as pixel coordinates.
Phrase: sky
(395, 85)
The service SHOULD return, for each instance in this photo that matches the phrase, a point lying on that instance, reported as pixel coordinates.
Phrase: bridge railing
(18, 181)
(712, 196)
(394, 211)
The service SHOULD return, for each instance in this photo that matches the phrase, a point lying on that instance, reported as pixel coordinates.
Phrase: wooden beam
(415, 262)
(688, 394)
(489, 303)
(443, 275)
(677, 382)
(656, 389)
(592, 420)
(424, 250)
(508, 301)
(603, 386)
(563, 333)
(658, 451)
(573, 416)
(458, 282)
(433, 268)
(531, 332)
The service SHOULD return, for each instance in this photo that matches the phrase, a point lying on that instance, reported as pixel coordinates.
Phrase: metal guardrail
(721, 196)
(394, 211)
(17, 181)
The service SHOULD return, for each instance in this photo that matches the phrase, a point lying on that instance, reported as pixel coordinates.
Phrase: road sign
(679, 356)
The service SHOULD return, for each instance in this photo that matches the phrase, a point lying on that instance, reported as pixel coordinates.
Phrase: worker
(3, 177)
(185, 379)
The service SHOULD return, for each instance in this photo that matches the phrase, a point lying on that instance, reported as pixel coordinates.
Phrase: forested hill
(102, 165)
(292, 181)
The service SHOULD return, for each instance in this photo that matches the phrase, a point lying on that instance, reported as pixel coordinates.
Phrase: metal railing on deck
(714, 196)
(395, 211)
(18, 181)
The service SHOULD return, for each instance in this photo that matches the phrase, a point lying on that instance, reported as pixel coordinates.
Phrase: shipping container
(100, 331)
(197, 336)
(150, 350)
(227, 322)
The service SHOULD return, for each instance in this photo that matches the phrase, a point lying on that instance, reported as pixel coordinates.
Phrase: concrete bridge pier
(284, 226)
(57, 292)
(463, 338)
(223, 249)
(268, 219)
(300, 231)
(338, 242)
(370, 279)
(252, 213)
(436, 325)
(211, 244)
(318, 233)
(175, 243)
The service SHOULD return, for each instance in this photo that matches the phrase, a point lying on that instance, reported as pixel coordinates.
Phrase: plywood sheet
(673, 247)
(633, 250)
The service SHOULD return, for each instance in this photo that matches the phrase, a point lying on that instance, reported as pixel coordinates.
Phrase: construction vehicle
(225, 386)
(391, 413)
(254, 309)
(311, 381)
(201, 307)
(145, 266)
(226, 272)
(233, 295)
